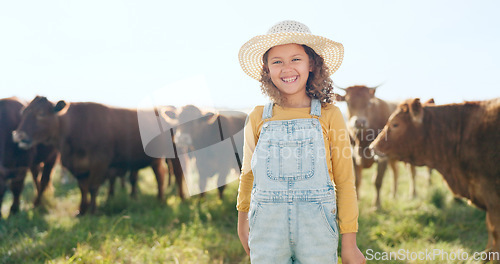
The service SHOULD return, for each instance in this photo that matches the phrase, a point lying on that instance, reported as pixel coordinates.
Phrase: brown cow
(461, 141)
(158, 140)
(15, 162)
(174, 164)
(91, 138)
(367, 117)
(196, 130)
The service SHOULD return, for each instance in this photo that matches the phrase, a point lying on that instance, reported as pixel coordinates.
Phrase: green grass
(433, 220)
(144, 230)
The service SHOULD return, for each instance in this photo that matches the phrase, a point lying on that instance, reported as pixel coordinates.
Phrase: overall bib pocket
(290, 160)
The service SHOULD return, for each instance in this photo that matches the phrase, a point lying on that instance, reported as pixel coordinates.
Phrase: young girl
(295, 148)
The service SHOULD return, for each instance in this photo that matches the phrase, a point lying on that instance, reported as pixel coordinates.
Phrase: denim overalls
(293, 209)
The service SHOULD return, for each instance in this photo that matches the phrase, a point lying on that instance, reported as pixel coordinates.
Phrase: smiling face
(289, 69)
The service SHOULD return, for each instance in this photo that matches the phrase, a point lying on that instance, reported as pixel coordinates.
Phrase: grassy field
(204, 230)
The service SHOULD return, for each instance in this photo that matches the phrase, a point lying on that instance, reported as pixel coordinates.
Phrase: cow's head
(189, 125)
(39, 122)
(403, 133)
(358, 99)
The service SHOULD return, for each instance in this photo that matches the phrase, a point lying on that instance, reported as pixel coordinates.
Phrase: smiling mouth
(289, 79)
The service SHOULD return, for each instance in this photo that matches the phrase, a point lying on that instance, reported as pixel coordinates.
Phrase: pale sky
(122, 53)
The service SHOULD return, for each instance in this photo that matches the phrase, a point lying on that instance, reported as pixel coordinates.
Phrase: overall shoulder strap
(315, 107)
(268, 111)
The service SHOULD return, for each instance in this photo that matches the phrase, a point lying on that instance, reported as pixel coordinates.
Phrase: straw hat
(287, 32)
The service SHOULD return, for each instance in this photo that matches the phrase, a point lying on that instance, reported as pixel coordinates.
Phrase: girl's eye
(296, 60)
(276, 62)
(395, 125)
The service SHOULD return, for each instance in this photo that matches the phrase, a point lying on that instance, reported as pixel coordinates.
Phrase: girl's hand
(243, 230)
(350, 252)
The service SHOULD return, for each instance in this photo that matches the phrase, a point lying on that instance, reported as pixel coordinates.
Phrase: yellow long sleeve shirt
(339, 158)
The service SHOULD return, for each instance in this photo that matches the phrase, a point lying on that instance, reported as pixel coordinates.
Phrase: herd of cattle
(98, 143)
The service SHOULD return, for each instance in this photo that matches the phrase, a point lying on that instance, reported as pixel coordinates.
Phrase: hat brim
(250, 54)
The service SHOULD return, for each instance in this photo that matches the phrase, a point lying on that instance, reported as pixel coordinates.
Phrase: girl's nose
(287, 67)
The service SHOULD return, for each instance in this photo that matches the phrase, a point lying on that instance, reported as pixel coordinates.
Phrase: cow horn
(375, 87)
(338, 87)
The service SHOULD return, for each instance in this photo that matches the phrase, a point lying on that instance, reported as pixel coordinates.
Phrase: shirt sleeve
(343, 174)
(246, 176)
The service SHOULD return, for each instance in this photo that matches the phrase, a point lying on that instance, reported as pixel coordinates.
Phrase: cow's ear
(168, 115)
(339, 98)
(61, 107)
(430, 102)
(404, 108)
(416, 111)
(372, 91)
(212, 117)
(171, 114)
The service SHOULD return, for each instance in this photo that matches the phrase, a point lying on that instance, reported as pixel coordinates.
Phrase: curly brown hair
(319, 85)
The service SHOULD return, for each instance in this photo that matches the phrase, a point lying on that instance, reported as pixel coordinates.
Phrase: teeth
(291, 79)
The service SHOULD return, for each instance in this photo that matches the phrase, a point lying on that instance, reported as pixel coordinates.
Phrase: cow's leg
(113, 174)
(111, 189)
(179, 176)
(413, 175)
(381, 168)
(395, 173)
(221, 182)
(493, 225)
(159, 169)
(35, 172)
(93, 190)
(429, 176)
(122, 180)
(202, 182)
(3, 188)
(493, 220)
(170, 166)
(358, 174)
(221, 191)
(97, 176)
(133, 183)
(16, 186)
(83, 183)
(489, 245)
(46, 178)
(488, 192)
